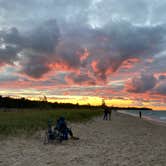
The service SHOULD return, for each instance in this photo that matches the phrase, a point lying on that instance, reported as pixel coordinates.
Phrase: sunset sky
(81, 51)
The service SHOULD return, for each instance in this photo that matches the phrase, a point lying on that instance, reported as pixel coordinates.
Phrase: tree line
(23, 103)
(8, 102)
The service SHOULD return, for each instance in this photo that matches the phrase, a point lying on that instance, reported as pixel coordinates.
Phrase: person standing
(105, 113)
(109, 110)
(140, 114)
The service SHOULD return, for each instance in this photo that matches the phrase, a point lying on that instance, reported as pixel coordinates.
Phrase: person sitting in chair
(61, 126)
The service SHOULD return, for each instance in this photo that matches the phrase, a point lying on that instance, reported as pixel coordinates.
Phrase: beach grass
(29, 121)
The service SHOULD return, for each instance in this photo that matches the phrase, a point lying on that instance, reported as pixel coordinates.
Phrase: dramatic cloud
(161, 87)
(82, 79)
(142, 83)
(44, 38)
(85, 43)
(31, 50)
(162, 77)
(109, 45)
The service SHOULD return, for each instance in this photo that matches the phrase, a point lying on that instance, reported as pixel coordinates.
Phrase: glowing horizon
(93, 101)
(84, 51)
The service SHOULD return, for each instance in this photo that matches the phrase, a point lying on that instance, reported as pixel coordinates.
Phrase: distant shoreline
(150, 120)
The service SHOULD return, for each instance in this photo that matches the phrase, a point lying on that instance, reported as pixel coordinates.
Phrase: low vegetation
(30, 121)
(23, 116)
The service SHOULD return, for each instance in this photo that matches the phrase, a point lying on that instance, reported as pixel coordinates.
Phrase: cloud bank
(85, 43)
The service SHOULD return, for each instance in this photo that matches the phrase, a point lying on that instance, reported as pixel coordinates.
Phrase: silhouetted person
(140, 114)
(109, 113)
(106, 113)
(62, 127)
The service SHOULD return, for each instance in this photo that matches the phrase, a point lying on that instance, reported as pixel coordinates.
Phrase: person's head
(62, 118)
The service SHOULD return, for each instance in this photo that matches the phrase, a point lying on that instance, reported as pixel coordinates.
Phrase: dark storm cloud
(42, 41)
(8, 54)
(35, 66)
(8, 50)
(119, 41)
(133, 40)
(79, 79)
(162, 77)
(161, 88)
(110, 30)
(110, 45)
(44, 38)
(69, 52)
(142, 83)
(12, 36)
(158, 64)
(32, 49)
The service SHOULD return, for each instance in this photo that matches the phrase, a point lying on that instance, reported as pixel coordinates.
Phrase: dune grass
(30, 121)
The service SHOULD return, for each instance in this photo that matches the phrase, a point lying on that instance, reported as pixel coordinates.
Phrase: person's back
(61, 124)
(62, 127)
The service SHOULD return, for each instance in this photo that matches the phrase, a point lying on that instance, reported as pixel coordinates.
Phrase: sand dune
(123, 141)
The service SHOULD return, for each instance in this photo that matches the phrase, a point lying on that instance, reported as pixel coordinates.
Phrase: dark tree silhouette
(8, 102)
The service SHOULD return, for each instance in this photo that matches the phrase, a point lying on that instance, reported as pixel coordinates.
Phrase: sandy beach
(123, 141)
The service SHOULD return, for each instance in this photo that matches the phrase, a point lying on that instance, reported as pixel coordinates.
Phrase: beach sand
(123, 141)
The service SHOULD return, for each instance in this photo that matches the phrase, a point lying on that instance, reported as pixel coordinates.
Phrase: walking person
(105, 113)
(109, 113)
(140, 114)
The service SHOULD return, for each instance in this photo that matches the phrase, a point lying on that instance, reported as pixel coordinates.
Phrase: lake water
(157, 116)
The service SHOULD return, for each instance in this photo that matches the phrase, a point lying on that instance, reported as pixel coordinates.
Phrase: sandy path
(123, 141)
